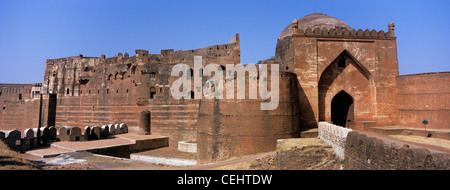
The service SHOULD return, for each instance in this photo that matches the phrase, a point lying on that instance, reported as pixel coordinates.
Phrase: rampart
(424, 96)
(369, 153)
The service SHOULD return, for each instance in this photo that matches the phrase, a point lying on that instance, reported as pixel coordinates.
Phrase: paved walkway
(61, 147)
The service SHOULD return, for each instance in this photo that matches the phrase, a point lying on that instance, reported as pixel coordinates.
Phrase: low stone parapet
(335, 136)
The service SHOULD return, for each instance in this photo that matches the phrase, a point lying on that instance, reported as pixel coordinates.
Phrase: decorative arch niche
(346, 75)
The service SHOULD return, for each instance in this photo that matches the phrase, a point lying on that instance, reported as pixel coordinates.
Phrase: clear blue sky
(32, 31)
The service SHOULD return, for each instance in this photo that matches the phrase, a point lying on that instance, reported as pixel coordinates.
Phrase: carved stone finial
(295, 23)
(390, 33)
(391, 26)
(295, 26)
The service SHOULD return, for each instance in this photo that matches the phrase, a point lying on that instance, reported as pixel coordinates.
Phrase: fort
(328, 72)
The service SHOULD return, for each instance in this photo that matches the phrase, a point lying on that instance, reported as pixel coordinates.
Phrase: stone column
(144, 124)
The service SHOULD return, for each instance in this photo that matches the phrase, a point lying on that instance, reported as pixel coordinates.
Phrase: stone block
(13, 139)
(53, 133)
(96, 132)
(104, 132)
(117, 128)
(45, 135)
(87, 134)
(29, 141)
(75, 134)
(64, 133)
(123, 128)
(112, 129)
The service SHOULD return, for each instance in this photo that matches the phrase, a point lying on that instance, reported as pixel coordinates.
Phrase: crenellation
(342, 33)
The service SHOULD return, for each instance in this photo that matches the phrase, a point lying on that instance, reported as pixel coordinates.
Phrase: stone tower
(345, 76)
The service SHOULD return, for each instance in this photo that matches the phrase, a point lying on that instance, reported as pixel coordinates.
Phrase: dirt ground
(424, 140)
(10, 160)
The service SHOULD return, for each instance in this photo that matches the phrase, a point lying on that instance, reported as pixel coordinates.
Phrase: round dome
(313, 21)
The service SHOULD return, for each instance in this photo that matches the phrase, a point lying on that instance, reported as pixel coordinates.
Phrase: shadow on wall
(307, 119)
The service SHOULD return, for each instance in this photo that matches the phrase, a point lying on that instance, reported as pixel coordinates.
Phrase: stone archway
(342, 109)
(345, 75)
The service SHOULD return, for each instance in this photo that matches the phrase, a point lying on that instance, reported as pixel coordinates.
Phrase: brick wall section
(335, 136)
(19, 107)
(369, 153)
(422, 96)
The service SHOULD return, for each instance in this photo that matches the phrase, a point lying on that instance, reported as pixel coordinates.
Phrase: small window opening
(152, 75)
(67, 91)
(20, 96)
(107, 91)
(341, 62)
(152, 93)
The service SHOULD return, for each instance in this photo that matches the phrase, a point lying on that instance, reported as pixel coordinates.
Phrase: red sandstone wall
(232, 127)
(18, 113)
(422, 96)
(369, 78)
(99, 90)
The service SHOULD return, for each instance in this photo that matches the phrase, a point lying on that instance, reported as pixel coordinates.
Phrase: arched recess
(342, 109)
(355, 75)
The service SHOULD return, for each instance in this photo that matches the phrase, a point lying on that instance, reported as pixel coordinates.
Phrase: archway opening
(152, 92)
(342, 110)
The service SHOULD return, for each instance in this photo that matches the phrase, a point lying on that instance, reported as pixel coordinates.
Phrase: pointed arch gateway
(342, 109)
(342, 103)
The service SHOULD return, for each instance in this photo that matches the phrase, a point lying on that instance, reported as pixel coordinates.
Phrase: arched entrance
(342, 111)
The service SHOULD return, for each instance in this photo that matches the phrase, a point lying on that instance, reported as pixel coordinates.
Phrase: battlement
(341, 32)
(344, 33)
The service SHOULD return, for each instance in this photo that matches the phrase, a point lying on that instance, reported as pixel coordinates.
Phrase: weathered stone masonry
(328, 72)
(369, 153)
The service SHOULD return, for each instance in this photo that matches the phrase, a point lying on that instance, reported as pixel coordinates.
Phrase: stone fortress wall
(329, 72)
(424, 96)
